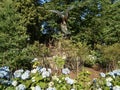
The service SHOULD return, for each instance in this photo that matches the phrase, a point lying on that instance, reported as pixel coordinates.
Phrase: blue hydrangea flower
(116, 72)
(5, 72)
(65, 71)
(25, 75)
(102, 74)
(2, 74)
(6, 68)
(111, 74)
(39, 69)
(21, 87)
(5, 82)
(69, 80)
(45, 74)
(18, 73)
(51, 88)
(42, 70)
(111, 87)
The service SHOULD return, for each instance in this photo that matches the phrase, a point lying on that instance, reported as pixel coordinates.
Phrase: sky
(43, 1)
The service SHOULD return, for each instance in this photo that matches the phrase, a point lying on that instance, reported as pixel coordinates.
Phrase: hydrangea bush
(41, 78)
(108, 81)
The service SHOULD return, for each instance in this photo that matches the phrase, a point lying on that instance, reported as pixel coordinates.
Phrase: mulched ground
(94, 72)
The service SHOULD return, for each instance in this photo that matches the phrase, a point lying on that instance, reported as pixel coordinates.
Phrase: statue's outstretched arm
(67, 10)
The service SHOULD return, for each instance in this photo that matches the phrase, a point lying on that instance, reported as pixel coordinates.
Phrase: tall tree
(13, 36)
(111, 19)
(32, 13)
(96, 21)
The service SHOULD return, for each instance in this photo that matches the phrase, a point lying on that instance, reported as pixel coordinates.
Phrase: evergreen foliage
(23, 22)
(32, 14)
(13, 38)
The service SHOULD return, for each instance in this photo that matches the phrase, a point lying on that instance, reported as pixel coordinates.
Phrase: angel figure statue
(63, 19)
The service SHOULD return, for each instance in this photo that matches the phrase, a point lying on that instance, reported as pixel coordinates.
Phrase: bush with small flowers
(41, 78)
(108, 81)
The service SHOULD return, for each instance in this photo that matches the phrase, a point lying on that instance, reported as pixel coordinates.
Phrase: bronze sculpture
(64, 16)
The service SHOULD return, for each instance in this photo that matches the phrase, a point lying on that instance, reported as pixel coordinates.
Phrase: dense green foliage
(31, 14)
(109, 56)
(13, 37)
(91, 22)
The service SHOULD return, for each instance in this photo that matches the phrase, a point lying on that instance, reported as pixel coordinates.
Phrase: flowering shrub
(65, 71)
(5, 72)
(109, 56)
(109, 81)
(41, 78)
(90, 60)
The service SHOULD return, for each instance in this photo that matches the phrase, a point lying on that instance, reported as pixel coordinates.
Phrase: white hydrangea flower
(49, 70)
(25, 75)
(37, 88)
(72, 89)
(55, 78)
(66, 78)
(116, 87)
(99, 89)
(14, 83)
(18, 73)
(108, 84)
(51, 88)
(59, 81)
(21, 87)
(65, 71)
(45, 74)
(51, 84)
(69, 80)
(109, 79)
(34, 71)
(102, 74)
(32, 88)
